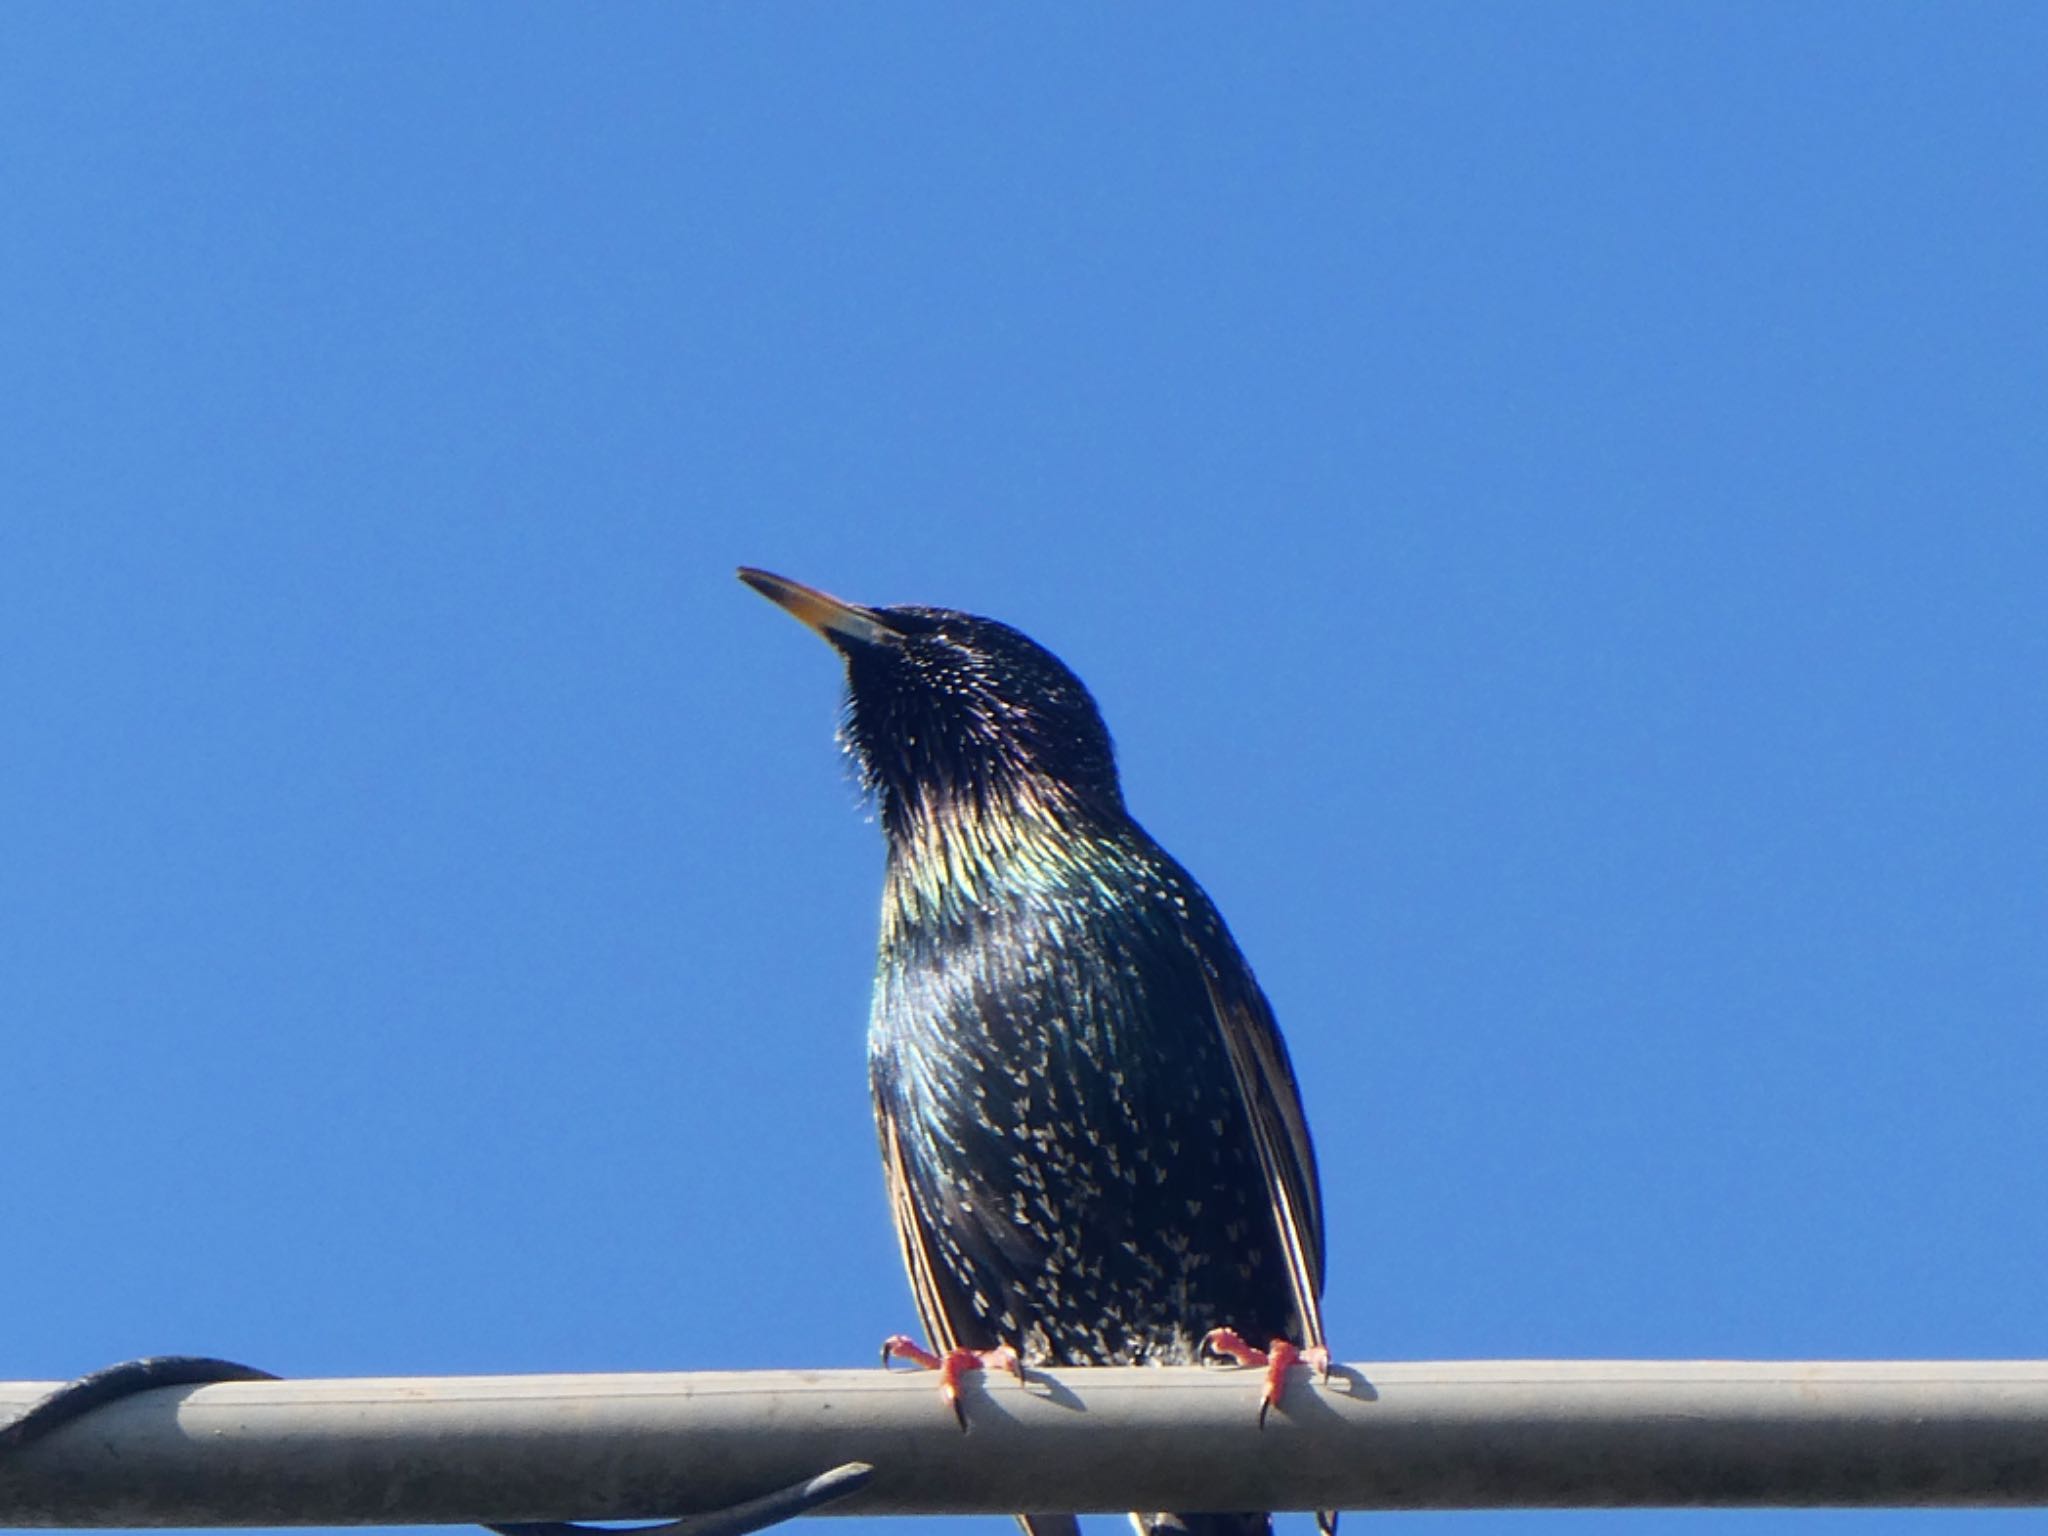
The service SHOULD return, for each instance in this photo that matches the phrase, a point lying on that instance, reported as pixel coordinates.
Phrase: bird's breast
(1070, 1122)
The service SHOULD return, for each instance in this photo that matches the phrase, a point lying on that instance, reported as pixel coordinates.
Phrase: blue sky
(1550, 499)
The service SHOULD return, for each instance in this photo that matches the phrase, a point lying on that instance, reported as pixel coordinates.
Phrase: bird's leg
(952, 1365)
(1279, 1357)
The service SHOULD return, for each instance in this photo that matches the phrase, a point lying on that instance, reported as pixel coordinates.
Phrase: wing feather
(913, 1237)
(926, 1284)
(1272, 1100)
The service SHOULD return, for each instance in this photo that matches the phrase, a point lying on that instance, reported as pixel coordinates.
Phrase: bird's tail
(1203, 1525)
(1222, 1525)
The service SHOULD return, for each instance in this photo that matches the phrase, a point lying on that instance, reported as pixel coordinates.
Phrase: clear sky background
(1553, 502)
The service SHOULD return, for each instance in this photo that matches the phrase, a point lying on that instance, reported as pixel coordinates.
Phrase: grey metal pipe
(1418, 1435)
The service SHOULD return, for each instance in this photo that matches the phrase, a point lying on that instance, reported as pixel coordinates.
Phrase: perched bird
(1093, 1139)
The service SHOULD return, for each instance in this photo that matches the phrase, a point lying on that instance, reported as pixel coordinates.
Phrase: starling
(1092, 1137)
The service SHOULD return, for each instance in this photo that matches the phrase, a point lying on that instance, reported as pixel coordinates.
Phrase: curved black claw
(734, 1520)
(77, 1398)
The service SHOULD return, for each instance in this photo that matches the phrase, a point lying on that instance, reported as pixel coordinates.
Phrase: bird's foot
(1279, 1357)
(952, 1365)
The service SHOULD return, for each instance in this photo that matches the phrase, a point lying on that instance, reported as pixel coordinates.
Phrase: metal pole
(1420, 1435)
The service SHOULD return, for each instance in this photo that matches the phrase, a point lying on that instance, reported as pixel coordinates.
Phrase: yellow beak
(828, 615)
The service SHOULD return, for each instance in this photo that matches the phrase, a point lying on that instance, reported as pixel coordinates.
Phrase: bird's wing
(926, 1286)
(912, 1236)
(1272, 1101)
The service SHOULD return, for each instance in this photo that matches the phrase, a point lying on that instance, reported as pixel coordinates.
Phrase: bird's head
(949, 715)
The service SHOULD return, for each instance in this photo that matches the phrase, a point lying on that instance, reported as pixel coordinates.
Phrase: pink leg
(1278, 1358)
(952, 1365)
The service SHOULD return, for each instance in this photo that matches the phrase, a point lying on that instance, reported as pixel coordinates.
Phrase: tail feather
(1221, 1525)
(1203, 1525)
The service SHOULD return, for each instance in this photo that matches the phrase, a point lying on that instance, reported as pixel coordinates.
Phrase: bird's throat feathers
(953, 851)
(986, 756)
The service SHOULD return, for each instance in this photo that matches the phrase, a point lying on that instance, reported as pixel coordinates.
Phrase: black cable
(75, 1399)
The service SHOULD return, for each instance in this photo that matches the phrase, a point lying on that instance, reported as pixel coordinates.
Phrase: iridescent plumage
(1094, 1142)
